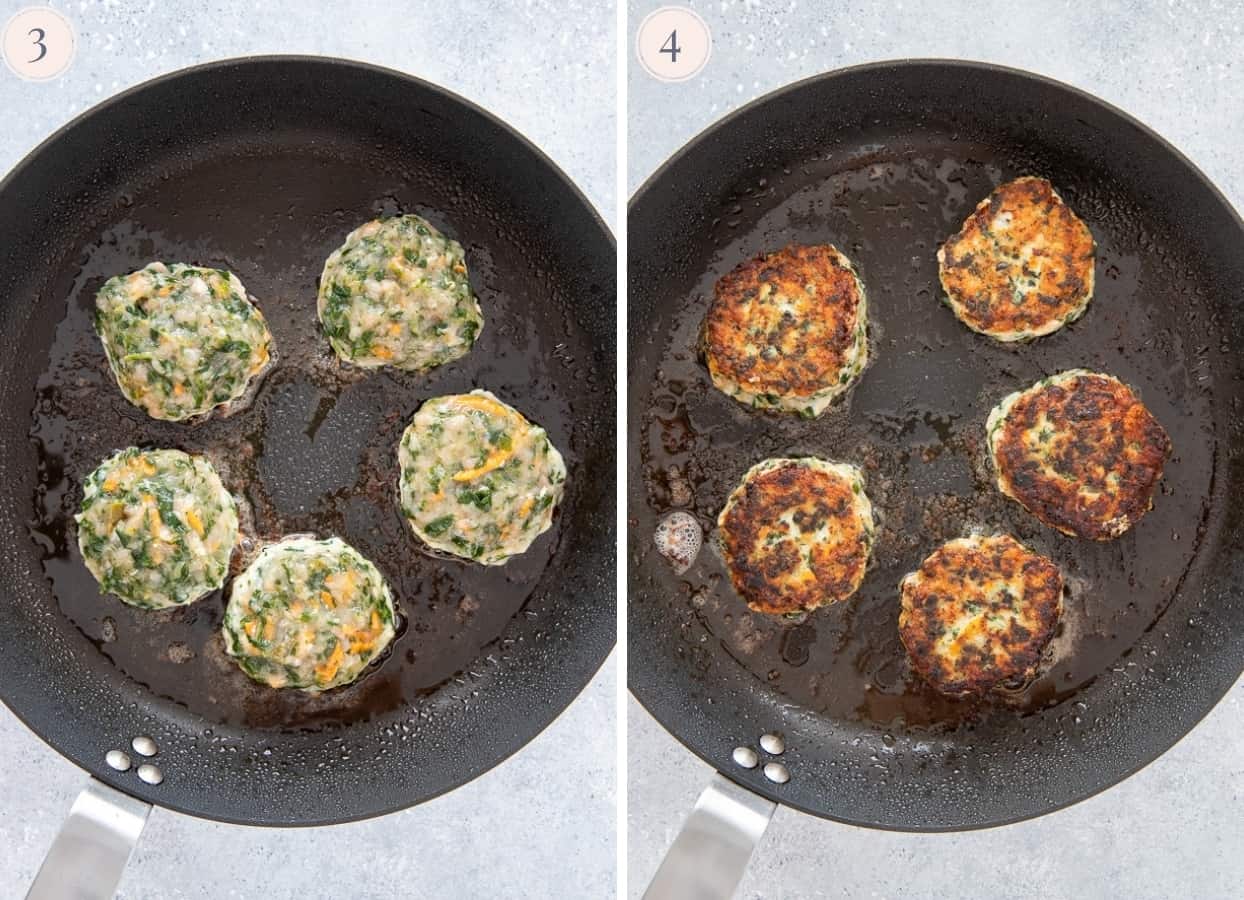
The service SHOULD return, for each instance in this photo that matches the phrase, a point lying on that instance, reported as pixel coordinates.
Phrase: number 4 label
(671, 46)
(673, 43)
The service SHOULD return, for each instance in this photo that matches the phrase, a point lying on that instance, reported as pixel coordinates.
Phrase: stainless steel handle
(708, 858)
(93, 846)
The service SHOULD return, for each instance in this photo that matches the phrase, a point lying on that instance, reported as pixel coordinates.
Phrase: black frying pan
(886, 161)
(262, 166)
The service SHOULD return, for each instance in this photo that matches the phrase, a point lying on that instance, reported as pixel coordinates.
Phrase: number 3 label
(673, 43)
(38, 44)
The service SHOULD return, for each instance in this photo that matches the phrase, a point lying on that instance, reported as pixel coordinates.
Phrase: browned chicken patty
(796, 534)
(1021, 266)
(1080, 452)
(978, 613)
(788, 330)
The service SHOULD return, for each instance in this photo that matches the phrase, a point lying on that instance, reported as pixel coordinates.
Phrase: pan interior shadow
(315, 452)
(915, 422)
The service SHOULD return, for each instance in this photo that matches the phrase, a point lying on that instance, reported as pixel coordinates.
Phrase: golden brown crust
(796, 535)
(1022, 265)
(1082, 454)
(785, 325)
(979, 613)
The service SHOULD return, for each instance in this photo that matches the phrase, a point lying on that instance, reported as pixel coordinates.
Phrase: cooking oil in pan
(315, 449)
(915, 422)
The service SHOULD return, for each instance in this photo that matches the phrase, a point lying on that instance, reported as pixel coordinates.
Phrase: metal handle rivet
(775, 772)
(150, 774)
(772, 744)
(746, 757)
(118, 759)
(144, 745)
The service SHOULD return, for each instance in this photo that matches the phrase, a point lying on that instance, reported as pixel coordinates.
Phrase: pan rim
(592, 662)
(750, 780)
(916, 62)
(343, 62)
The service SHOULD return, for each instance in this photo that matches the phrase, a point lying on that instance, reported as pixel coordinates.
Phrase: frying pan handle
(93, 846)
(708, 858)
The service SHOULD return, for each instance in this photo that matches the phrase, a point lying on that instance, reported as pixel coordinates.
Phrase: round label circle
(673, 43)
(38, 43)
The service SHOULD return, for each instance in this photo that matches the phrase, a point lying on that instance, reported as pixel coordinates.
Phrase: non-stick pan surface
(262, 166)
(885, 161)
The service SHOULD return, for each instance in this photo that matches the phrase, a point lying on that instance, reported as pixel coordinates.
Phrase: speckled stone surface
(1173, 830)
(541, 824)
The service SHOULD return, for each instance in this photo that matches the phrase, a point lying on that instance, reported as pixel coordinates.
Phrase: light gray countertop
(539, 825)
(1173, 830)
